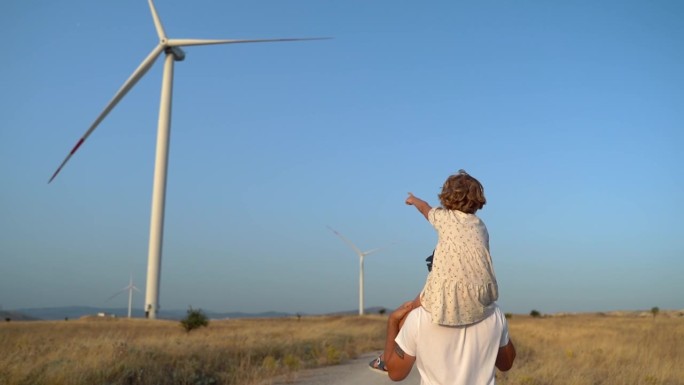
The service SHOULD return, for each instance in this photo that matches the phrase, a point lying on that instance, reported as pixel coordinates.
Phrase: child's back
(461, 288)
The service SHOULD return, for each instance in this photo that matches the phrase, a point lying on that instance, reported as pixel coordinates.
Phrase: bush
(195, 319)
(292, 362)
(535, 314)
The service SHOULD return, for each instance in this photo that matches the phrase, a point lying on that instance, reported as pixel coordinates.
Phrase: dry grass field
(141, 352)
(593, 349)
(577, 349)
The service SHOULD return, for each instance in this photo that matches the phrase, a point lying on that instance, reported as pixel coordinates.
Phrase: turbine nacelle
(178, 54)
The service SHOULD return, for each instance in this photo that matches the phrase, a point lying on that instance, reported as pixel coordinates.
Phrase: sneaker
(378, 365)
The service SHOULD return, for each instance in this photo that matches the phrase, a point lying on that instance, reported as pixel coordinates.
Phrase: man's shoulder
(420, 316)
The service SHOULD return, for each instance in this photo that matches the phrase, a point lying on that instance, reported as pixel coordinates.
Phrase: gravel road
(354, 372)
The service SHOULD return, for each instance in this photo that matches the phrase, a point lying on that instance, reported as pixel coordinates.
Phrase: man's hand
(399, 315)
(505, 357)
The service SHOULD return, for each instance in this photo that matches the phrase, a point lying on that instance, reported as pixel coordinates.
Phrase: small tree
(535, 314)
(655, 310)
(195, 319)
(382, 311)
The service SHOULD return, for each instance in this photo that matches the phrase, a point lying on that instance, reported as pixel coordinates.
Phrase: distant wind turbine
(362, 255)
(130, 289)
(171, 48)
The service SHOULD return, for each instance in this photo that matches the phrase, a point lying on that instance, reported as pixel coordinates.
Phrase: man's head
(462, 192)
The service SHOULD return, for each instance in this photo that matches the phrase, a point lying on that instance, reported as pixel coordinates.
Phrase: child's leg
(379, 362)
(416, 302)
(414, 305)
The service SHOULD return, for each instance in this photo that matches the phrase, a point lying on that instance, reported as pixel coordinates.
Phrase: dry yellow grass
(597, 349)
(580, 349)
(122, 351)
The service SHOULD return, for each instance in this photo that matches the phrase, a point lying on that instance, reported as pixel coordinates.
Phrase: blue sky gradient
(570, 113)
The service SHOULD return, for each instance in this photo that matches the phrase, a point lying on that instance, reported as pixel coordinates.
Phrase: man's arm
(505, 357)
(397, 362)
(419, 204)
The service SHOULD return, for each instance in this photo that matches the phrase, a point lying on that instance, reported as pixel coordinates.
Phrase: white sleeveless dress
(461, 288)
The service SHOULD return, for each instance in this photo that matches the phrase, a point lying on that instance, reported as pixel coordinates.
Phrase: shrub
(195, 319)
(508, 315)
(292, 362)
(270, 365)
(535, 313)
(655, 311)
(333, 356)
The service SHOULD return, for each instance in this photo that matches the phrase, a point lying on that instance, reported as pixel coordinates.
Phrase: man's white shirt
(454, 355)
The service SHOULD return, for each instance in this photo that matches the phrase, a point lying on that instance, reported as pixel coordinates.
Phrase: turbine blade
(187, 42)
(157, 22)
(130, 82)
(373, 250)
(136, 289)
(347, 241)
(117, 293)
(378, 248)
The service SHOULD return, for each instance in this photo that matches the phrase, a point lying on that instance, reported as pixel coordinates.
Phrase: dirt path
(354, 372)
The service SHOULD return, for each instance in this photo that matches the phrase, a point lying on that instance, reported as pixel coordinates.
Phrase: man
(464, 355)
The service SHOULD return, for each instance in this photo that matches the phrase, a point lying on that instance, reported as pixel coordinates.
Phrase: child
(461, 287)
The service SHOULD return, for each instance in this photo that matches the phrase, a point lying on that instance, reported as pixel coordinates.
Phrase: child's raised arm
(420, 204)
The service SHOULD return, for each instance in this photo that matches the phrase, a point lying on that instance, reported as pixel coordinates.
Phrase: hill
(76, 312)
(15, 316)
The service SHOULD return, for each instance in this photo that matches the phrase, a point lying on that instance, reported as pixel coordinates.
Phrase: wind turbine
(362, 255)
(172, 49)
(130, 289)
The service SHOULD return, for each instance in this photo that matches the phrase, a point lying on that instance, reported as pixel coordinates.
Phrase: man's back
(454, 355)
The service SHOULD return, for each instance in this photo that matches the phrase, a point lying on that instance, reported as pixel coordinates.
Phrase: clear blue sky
(570, 113)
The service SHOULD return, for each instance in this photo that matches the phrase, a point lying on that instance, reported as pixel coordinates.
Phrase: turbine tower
(130, 289)
(173, 52)
(362, 255)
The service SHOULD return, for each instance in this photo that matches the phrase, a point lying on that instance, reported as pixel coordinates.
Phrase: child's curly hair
(462, 192)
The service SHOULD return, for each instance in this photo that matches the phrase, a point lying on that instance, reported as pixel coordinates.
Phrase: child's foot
(378, 365)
